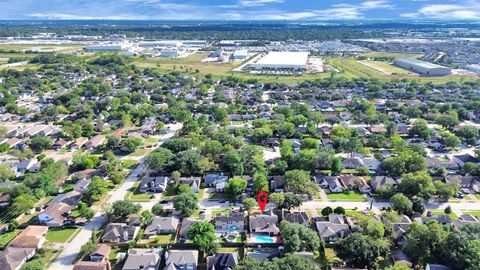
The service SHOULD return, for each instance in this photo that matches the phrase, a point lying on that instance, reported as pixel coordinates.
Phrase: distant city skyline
(238, 9)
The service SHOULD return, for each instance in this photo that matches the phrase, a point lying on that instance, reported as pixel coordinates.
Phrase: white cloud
(465, 10)
(256, 3)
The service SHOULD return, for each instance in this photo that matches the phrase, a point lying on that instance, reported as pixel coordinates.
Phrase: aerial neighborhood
(107, 162)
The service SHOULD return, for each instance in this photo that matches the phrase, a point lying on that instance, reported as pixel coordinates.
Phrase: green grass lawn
(67, 187)
(75, 213)
(163, 239)
(350, 195)
(216, 212)
(140, 152)
(475, 213)
(7, 237)
(440, 212)
(200, 193)
(477, 196)
(219, 196)
(129, 163)
(135, 195)
(61, 235)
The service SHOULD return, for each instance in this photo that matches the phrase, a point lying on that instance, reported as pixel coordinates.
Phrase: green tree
(191, 162)
(298, 181)
(339, 210)
(249, 204)
(401, 204)
(232, 162)
(445, 191)
(424, 241)
(373, 250)
(23, 202)
(292, 201)
(157, 209)
(398, 266)
(38, 143)
(260, 182)
(469, 134)
(327, 211)
(160, 159)
(202, 234)
(187, 203)
(125, 208)
(6, 173)
(298, 237)
(419, 183)
(98, 187)
(236, 186)
(277, 198)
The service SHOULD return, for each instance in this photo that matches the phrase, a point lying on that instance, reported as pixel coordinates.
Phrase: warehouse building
(282, 61)
(106, 47)
(421, 67)
(240, 55)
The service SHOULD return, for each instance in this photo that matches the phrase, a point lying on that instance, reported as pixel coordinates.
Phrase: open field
(396, 55)
(385, 67)
(45, 47)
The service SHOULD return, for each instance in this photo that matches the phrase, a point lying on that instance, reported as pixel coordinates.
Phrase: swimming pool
(263, 239)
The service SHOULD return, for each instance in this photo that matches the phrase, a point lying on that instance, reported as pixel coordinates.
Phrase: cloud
(255, 3)
(466, 10)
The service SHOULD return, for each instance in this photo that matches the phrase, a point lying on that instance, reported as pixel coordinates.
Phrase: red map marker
(262, 199)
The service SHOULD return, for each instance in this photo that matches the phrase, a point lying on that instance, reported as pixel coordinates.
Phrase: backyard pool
(263, 239)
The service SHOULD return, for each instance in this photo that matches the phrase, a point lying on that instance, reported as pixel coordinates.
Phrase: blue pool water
(263, 239)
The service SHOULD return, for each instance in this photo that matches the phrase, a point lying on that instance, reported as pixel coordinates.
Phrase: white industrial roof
(419, 63)
(283, 59)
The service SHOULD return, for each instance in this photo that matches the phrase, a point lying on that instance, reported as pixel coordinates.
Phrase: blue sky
(238, 9)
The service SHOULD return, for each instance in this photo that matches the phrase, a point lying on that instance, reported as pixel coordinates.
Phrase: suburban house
(330, 182)
(355, 182)
(383, 180)
(95, 142)
(23, 247)
(233, 222)
(296, 217)
(222, 261)
(186, 223)
(119, 233)
(460, 180)
(333, 228)
(100, 253)
(145, 259)
(161, 225)
(13, 258)
(400, 229)
(352, 163)
(30, 237)
(54, 215)
(264, 224)
(192, 182)
(216, 180)
(153, 184)
(78, 143)
(464, 158)
(276, 182)
(181, 260)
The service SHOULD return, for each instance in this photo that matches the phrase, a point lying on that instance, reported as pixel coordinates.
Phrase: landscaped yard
(7, 237)
(140, 152)
(129, 163)
(440, 212)
(61, 235)
(218, 196)
(216, 212)
(475, 213)
(135, 195)
(200, 193)
(347, 196)
(164, 239)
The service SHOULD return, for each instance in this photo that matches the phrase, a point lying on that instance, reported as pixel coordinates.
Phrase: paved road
(72, 249)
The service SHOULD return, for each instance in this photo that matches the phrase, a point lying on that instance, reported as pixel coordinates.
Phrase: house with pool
(263, 228)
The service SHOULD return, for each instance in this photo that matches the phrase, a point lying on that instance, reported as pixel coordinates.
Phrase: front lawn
(140, 152)
(200, 193)
(219, 196)
(474, 213)
(61, 235)
(7, 237)
(134, 195)
(129, 163)
(216, 212)
(350, 196)
(440, 212)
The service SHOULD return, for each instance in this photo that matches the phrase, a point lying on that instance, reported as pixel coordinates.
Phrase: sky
(238, 9)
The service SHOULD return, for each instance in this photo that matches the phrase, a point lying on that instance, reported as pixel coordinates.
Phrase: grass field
(440, 212)
(140, 152)
(129, 163)
(61, 235)
(396, 55)
(7, 237)
(349, 196)
(386, 67)
(216, 212)
(164, 239)
(200, 193)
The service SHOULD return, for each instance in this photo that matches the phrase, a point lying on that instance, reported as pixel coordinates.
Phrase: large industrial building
(421, 67)
(282, 61)
(240, 55)
(107, 47)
